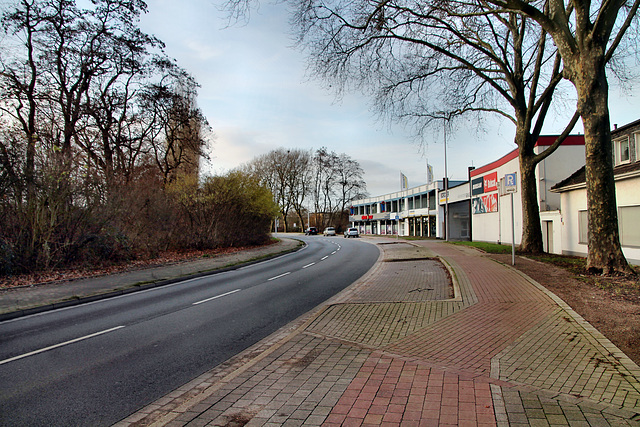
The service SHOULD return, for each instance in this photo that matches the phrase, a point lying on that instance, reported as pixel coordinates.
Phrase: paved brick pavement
(409, 344)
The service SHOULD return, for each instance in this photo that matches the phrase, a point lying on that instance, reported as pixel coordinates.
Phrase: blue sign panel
(510, 183)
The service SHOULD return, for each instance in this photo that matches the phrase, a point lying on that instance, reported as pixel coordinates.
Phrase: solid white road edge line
(42, 350)
(216, 297)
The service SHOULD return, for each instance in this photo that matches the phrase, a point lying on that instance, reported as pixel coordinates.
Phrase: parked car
(329, 231)
(351, 232)
(311, 231)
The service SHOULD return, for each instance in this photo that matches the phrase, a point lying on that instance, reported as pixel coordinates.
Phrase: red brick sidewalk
(398, 349)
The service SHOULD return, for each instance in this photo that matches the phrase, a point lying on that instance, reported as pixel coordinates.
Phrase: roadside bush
(71, 224)
(230, 210)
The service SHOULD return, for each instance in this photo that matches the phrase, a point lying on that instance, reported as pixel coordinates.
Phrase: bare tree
(426, 62)
(178, 143)
(350, 184)
(286, 173)
(338, 180)
(326, 180)
(324, 183)
(588, 36)
(74, 80)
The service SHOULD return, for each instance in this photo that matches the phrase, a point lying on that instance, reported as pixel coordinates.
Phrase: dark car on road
(311, 231)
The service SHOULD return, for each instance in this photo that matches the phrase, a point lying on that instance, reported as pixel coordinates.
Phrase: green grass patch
(491, 248)
(576, 265)
(416, 238)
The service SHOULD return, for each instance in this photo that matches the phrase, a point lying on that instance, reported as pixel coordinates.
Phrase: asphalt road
(97, 363)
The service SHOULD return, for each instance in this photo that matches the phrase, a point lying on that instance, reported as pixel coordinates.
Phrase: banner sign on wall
(490, 182)
(486, 203)
(477, 186)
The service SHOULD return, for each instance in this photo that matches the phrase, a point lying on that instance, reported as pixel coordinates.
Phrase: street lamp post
(446, 186)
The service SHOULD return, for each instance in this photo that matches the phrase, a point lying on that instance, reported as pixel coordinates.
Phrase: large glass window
(583, 226)
(628, 220)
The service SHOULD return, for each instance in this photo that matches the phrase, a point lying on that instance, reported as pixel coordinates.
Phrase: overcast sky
(257, 98)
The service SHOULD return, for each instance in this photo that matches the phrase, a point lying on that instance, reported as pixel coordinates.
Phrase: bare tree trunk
(605, 253)
(531, 232)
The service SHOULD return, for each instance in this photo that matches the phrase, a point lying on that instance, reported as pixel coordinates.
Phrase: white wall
(551, 222)
(627, 194)
(496, 226)
(555, 168)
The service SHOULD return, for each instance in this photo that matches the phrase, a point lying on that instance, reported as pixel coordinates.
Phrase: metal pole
(513, 235)
(446, 186)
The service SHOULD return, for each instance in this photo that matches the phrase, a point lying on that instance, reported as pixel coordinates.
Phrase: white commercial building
(410, 212)
(480, 209)
(491, 213)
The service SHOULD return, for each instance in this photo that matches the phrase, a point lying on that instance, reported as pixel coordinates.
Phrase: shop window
(583, 227)
(628, 219)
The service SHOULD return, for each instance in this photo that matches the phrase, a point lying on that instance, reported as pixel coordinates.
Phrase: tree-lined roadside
(304, 182)
(100, 145)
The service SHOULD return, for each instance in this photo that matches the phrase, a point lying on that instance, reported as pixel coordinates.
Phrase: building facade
(481, 208)
(496, 185)
(573, 195)
(415, 211)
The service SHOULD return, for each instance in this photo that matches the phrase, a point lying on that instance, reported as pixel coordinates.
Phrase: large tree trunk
(531, 231)
(605, 253)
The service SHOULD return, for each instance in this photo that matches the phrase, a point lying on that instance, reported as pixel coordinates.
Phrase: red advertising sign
(490, 202)
(485, 203)
(490, 182)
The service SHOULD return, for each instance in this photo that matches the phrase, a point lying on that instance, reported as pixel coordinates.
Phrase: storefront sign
(444, 197)
(490, 182)
(477, 186)
(485, 204)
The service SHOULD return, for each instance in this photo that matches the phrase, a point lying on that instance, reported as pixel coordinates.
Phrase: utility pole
(446, 185)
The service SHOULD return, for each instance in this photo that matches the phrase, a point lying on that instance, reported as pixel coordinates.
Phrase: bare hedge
(69, 226)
